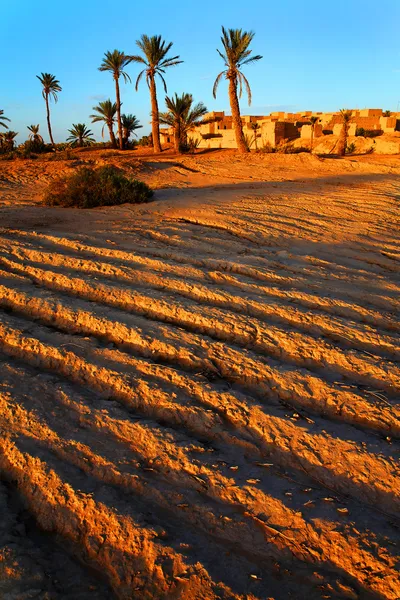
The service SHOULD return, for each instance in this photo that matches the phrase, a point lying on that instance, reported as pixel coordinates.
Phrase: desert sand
(199, 395)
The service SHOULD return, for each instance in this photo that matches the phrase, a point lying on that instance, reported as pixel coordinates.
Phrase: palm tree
(155, 50)
(129, 125)
(8, 140)
(51, 87)
(80, 135)
(2, 119)
(386, 113)
(34, 134)
(106, 112)
(182, 116)
(255, 127)
(313, 120)
(236, 54)
(115, 62)
(342, 142)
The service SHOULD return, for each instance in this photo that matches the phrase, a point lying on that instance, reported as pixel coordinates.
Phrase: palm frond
(248, 89)
(216, 83)
(139, 77)
(51, 85)
(163, 80)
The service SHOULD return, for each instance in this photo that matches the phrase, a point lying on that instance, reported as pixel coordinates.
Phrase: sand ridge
(199, 396)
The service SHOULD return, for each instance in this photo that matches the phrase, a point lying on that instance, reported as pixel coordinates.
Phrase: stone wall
(338, 128)
(305, 132)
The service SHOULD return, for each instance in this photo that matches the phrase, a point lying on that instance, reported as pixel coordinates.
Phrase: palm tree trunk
(342, 142)
(112, 136)
(155, 124)
(237, 121)
(177, 141)
(177, 138)
(48, 120)
(121, 143)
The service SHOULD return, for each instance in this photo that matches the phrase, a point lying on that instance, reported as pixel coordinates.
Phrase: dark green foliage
(369, 133)
(104, 186)
(146, 141)
(285, 148)
(80, 136)
(350, 148)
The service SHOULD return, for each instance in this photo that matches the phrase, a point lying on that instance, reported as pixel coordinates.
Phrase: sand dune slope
(199, 397)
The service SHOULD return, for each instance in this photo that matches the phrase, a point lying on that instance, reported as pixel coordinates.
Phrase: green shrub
(145, 141)
(369, 133)
(57, 156)
(350, 148)
(111, 153)
(8, 156)
(267, 148)
(193, 144)
(288, 148)
(88, 188)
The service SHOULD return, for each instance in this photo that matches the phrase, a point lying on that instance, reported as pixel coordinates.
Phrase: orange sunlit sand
(198, 394)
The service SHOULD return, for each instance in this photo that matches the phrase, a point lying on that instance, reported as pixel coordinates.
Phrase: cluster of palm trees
(182, 114)
(6, 138)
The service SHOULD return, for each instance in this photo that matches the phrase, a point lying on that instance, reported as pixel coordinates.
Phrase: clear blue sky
(318, 55)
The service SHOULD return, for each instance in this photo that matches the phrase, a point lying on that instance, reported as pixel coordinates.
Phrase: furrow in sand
(266, 267)
(225, 281)
(282, 309)
(198, 353)
(337, 463)
(256, 523)
(117, 545)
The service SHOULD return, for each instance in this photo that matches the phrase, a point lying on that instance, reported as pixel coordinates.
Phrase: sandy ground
(199, 396)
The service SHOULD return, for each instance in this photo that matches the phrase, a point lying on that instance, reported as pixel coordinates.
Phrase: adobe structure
(280, 127)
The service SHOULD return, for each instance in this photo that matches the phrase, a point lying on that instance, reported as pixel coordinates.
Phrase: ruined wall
(338, 128)
(305, 131)
(389, 124)
(371, 112)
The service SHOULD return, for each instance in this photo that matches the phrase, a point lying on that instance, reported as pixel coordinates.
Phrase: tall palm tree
(129, 125)
(80, 135)
(51, 87)
(313, 121)
(2, 119)
(182, 116)
(255, 127)
(342, 142)
(34, 134)
(155, 50)
(236, 54)
(115, 62)
(106, 112)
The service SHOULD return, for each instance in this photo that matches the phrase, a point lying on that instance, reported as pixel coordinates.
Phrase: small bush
(146, 141)
(62, 155)
(8, 156)
(368, 133)
(288, 148)
(193, 144)
(267, 148)
(350, 148)
(88, 188)
(111, 153)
